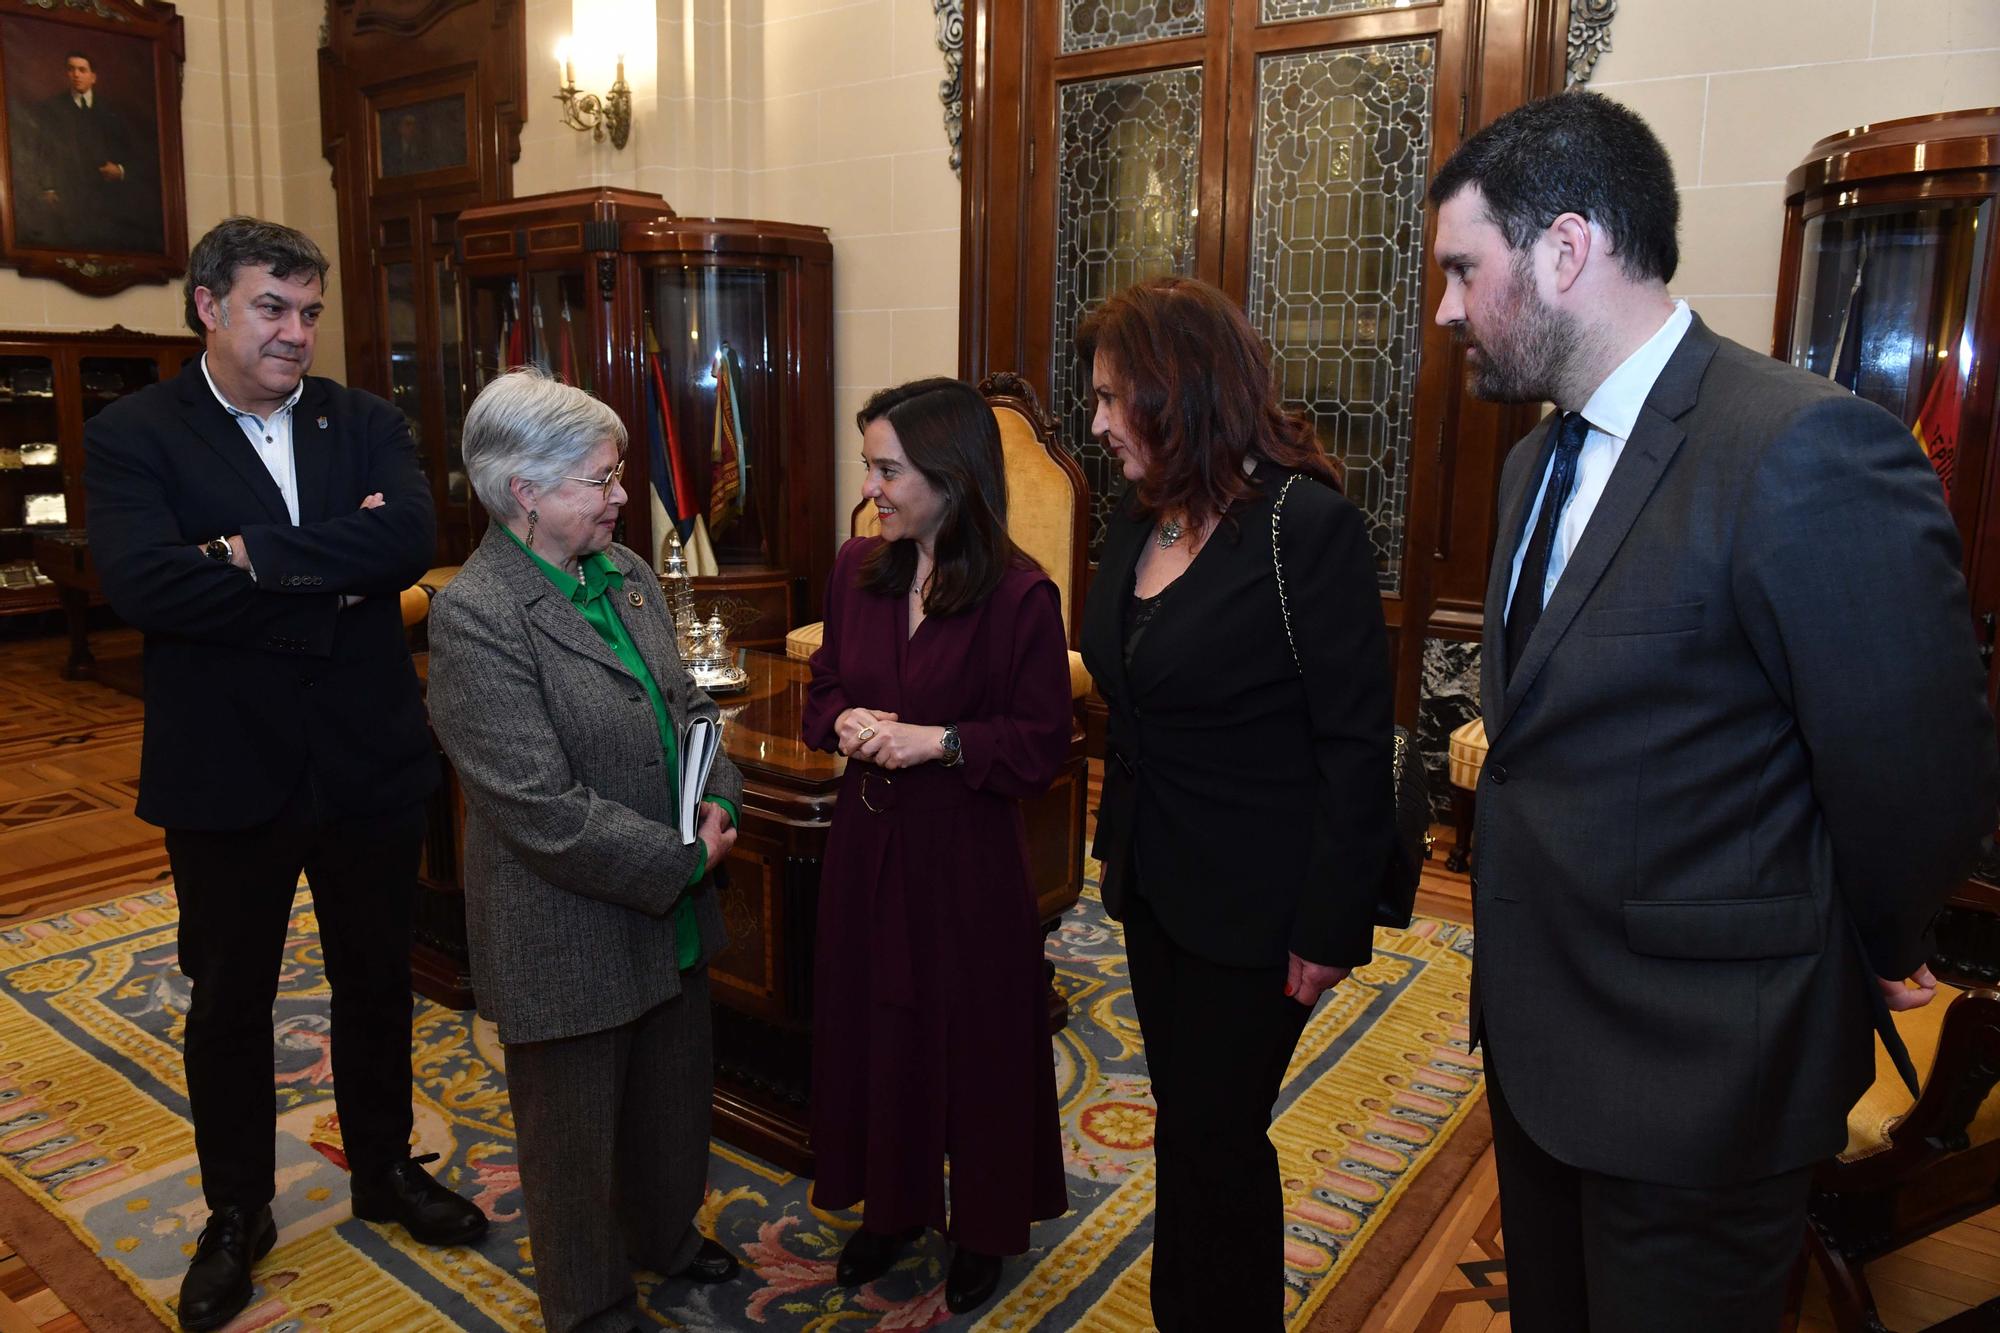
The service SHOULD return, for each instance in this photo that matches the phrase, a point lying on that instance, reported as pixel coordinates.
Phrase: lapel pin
(322, 423)
(636, 598)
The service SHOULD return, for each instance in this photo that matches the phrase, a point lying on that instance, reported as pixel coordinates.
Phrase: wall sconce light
(608, 116)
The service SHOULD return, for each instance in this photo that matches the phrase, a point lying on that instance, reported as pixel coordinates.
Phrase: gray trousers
(612, 1132)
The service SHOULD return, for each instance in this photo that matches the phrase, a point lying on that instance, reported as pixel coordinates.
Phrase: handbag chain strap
(1278, 568)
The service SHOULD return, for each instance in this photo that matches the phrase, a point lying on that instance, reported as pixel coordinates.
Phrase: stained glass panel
(1337, 261)
(1128, 177)
(1279, 11)
(1091, 24)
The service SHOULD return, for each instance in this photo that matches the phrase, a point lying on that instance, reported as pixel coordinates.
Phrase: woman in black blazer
(1246, 820)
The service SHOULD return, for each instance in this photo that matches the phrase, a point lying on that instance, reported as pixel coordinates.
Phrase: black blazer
(252, 686)
(1744, 758)
(1248, 806)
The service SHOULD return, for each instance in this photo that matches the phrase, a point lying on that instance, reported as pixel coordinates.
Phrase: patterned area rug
(95, 1143)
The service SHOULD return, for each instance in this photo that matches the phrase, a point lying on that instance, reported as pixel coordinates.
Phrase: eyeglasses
(601, 483)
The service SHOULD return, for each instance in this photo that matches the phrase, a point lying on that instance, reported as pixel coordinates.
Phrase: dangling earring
(534, 517)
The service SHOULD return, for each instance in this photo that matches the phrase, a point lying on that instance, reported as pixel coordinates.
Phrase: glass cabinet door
(713, 362)
(559, 336)
(445, 284)
(399, 282)
(31, 482)
(1888, 302)
(499, 334)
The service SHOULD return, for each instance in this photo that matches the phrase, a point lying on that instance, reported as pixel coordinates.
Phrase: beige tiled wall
(250, 139)
(1739, 91)
(846, 131)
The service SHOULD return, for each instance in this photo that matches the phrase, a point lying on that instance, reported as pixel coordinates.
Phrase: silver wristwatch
(952, 752)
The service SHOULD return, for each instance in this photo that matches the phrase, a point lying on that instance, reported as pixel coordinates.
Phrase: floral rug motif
(94, 1129)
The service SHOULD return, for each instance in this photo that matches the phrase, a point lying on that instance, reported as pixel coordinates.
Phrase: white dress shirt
(271, 437)
(1612, 413)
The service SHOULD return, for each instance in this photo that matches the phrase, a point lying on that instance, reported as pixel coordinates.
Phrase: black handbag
(1396, 898)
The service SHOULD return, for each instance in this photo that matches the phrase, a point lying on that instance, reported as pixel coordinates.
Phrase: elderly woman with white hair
(557, 692)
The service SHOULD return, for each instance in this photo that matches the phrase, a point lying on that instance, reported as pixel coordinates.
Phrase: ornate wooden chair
(1912, 1167)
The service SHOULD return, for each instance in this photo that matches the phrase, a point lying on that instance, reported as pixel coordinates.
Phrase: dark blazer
(573, 861)
(252, 687)
(1251, 806)
(1744, 758)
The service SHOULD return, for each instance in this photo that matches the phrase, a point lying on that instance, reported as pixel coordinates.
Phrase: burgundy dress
(930, 1036)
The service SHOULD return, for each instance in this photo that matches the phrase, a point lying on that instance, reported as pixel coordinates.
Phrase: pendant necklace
(1170, 532)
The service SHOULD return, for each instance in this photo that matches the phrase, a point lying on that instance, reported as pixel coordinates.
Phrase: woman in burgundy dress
(944, 679)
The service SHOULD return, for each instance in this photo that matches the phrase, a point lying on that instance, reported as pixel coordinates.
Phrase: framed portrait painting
(92, 188)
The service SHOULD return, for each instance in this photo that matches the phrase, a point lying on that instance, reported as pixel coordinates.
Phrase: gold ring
(867, 733)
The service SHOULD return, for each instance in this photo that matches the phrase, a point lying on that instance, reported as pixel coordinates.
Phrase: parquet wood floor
(69, 775)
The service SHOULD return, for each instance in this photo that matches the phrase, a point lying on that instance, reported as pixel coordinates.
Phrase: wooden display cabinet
(50, 385)
(1889, 283)
(615, 293)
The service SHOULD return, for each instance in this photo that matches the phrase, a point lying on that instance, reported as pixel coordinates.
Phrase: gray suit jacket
(573, 863)
(1745, 757)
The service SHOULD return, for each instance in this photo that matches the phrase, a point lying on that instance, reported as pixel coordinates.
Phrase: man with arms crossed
(1740, 749)
(258, 525)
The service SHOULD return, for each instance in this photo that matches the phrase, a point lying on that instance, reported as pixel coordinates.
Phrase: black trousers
(1218, 1040)
(235, 890)
(1590, 1253)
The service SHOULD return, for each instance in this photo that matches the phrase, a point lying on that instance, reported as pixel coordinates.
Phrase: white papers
(700, 739)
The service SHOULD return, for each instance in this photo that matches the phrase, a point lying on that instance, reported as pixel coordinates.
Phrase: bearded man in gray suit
(1740, 745)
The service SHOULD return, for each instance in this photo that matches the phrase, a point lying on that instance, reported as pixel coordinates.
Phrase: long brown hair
(1198, 393)
(949, 436)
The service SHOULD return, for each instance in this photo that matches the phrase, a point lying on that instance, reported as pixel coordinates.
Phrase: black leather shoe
(971, 1280)
(406, 1194)
(217, 1285)
(869, 1254)
(711, 1264)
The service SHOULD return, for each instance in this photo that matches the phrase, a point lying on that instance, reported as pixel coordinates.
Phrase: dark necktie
(1527, 607)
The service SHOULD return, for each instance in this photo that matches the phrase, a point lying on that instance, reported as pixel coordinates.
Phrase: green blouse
(592, 597)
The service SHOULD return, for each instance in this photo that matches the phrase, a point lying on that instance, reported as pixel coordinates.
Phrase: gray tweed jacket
(573, 863)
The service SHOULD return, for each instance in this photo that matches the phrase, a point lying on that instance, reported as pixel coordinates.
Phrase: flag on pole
(541, 352)
(517, 341)
(1844, 366)
(726, 457)
(1936, 427)
(669, 472)
(566, 352)
(700, 555)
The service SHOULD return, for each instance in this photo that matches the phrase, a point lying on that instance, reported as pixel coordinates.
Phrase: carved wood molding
(1589, 37)
(398, 18)
(950, 16)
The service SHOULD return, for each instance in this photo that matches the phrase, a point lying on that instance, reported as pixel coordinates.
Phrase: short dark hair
(1198, 393)
(1580, 153)
(234, 242)
(948, 433)
(84, 56)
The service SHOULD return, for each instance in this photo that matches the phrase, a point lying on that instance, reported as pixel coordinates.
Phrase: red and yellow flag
(1936, 427)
